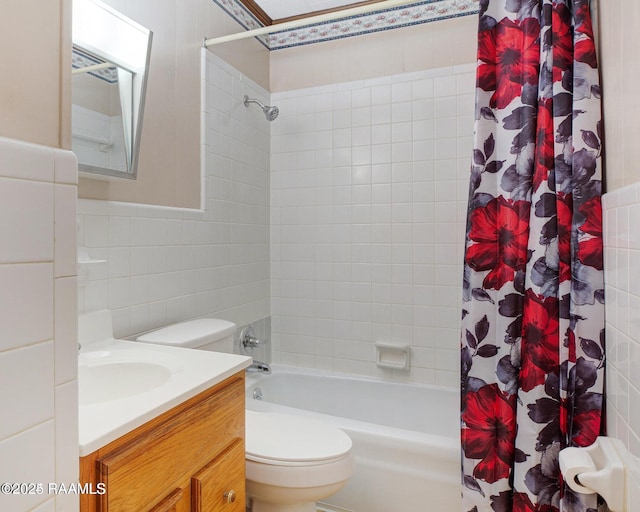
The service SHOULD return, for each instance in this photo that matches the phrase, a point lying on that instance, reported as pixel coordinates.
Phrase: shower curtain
(532, 340)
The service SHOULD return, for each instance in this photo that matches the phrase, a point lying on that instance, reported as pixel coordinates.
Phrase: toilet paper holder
(596, 469)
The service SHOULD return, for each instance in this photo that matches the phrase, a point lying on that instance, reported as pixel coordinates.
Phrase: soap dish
(394, 356)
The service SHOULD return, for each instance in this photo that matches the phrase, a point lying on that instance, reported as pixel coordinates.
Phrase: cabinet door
(170, 503)
(147, 467)
(219, 486)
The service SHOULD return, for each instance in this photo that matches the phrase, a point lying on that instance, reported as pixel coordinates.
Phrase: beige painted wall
(419, 47)
(169, 169)
(33, 91)
(36, 114)
(620, 70)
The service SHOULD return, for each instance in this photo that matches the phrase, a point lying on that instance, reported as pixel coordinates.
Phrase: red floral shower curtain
(532, 344)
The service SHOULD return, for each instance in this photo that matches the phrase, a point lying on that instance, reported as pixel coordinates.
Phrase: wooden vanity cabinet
(189, 459)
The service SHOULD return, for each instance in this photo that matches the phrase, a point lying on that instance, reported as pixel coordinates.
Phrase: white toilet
(291, 461)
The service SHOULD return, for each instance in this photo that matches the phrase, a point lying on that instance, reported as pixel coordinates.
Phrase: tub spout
(259, 367)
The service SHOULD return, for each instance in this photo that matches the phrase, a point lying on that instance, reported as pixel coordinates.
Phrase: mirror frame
(108, 35)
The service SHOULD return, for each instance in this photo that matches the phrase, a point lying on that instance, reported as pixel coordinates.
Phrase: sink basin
(106, 381)
(124, 384)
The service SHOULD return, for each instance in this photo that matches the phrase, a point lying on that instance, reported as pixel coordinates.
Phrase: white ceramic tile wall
(622, 289)
(88, 124)
(38, 322)
(170, 264)
(368, 204)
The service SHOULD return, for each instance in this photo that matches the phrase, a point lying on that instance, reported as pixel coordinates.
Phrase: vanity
(161, 428)
(190, 458)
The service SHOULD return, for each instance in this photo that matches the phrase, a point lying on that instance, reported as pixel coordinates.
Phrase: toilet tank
(204, 333)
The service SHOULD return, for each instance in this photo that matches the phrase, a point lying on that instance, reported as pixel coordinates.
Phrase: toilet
(291, 461)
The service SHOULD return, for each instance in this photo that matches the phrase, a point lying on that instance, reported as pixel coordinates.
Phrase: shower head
(270, 112)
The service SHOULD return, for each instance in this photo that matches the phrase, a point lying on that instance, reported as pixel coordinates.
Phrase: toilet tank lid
(190, 334)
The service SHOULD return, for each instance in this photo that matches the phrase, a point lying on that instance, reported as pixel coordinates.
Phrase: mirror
(110, 64)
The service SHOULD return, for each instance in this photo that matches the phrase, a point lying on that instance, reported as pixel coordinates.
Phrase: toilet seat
(287, 440)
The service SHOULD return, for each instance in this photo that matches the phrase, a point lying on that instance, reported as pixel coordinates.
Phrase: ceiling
(278, 11)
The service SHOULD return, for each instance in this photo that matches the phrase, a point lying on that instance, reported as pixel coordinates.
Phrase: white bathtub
(405, 436)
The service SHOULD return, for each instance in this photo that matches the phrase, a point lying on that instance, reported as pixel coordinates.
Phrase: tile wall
(89, 128)
(622, 289)
(38, 343)
(169, 264)
(369, 183)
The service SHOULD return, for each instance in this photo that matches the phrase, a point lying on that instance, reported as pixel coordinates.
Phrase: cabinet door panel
(139, 473)
(169, 504)
(219, 486)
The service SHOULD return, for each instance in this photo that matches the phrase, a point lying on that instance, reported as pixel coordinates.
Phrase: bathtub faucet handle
(251, 342)
(248, 338)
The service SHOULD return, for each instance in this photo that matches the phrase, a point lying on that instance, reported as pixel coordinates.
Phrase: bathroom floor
(329, 508)
(320, 508)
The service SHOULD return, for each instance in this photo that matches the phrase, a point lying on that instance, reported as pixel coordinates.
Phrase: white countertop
(183, 373)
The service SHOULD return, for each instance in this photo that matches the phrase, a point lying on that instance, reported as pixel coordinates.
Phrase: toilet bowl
(291, 461)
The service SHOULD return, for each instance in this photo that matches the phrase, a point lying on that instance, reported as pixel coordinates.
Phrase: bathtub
(405, 436)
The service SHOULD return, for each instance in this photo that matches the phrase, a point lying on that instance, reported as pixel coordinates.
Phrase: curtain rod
(320, 18)
(93, 67)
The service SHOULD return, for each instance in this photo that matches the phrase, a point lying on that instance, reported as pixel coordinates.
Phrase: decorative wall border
(82, 59)
(421, 12)
(243, 16)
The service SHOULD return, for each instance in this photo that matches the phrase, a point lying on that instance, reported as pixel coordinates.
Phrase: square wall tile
(28, 400)
(65, 167)
(26, 223)
(96, 230)
(66, 329)
(67, 454)
(26, 304)
(66, 258)
(32, 456)
(26, 161)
